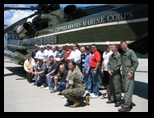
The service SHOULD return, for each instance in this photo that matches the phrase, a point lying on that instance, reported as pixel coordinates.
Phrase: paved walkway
(20, 96)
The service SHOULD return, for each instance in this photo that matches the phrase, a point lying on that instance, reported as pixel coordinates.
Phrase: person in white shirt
(48, 51)
(54, 52)
(75, 55)
(106, 55)
(29, 62)
(41, 53)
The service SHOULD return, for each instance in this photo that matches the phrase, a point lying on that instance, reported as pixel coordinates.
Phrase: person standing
(36, 48)
(114, 65)
(67, 52)
(106, 55)
(129, 66)
(86, 79)
(54, 51)
(60, 53)
(93, 71)
(75, 55)
(41, 53)
(83, 56)
(47, 51)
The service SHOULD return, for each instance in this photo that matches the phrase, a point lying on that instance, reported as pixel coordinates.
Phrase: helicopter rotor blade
(115, 4)
(19, 8)
(18, 23)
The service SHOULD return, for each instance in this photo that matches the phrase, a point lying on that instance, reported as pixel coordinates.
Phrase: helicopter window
(42, 41)
(38, 41)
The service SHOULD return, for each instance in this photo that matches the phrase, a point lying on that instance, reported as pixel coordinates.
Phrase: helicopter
(93, 24)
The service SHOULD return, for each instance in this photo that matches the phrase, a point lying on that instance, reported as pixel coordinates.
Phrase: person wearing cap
(51, 72)
(67, 52)
(48, 51)
(36, 48)
(28, 67)
(35, 64)
(75, 90)
(104, 70)
(86, 79)
(41, 53)
(40, 78)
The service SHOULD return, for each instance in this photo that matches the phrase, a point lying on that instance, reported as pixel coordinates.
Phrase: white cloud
(16, 16)
(12, 16)
(7, 14)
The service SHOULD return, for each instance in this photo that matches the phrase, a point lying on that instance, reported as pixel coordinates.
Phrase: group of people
(74, 72)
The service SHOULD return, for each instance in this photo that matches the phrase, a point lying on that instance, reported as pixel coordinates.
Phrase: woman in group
(75, 89)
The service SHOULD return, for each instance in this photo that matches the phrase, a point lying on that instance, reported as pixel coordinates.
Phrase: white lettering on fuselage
(106, 18)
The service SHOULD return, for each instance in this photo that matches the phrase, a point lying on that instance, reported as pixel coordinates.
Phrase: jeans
(95, 88)
(50, 82)
(41, 81)
(62, 86)
(87, 80)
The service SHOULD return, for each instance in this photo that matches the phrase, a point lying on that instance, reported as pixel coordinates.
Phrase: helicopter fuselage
(127, 22)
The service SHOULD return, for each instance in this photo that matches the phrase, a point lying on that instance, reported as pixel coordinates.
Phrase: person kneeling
(74, 89)
(60, 79)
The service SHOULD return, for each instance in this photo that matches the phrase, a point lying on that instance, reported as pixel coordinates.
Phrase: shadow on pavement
(16, 71)
(141, 89)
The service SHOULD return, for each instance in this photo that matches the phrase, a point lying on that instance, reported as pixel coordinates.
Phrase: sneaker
(124, 109)
(87, 92)
(94, 96)
(53, 91)
(43, 85)
(59, 93)
(34, 84)
(46, 88)
(91, 94)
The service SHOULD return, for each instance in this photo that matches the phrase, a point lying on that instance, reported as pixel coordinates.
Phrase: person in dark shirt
(51, 72)
(83, 56)
(36, 48)
(40, 72)
(60, 53)
(60, 79)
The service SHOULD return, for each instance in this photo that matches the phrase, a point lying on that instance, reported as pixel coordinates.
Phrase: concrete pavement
(21, 96)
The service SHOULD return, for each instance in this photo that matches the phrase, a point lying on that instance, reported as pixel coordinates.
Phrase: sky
(12, 16)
